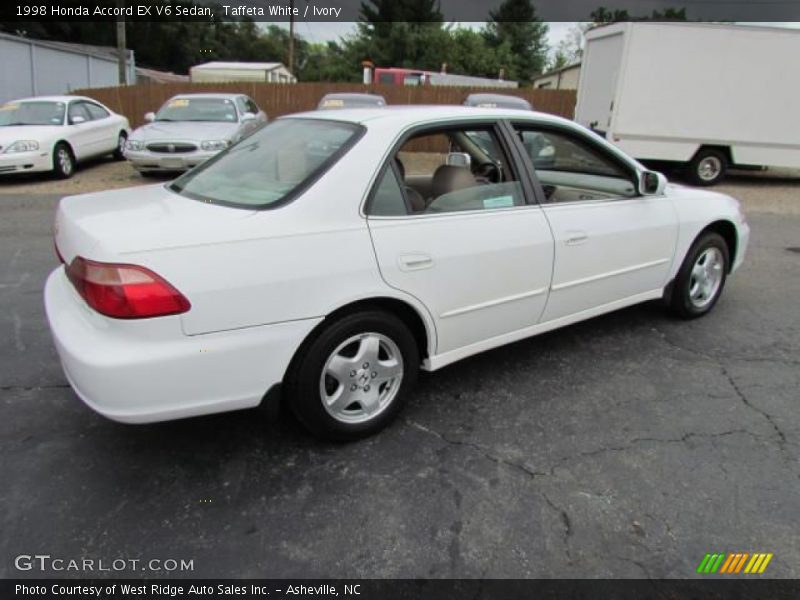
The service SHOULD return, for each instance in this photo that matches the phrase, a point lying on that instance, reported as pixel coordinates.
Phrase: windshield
(32, 113)
(198, 109)
(270, 165)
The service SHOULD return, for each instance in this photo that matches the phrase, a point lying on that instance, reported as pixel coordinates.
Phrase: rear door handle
(415, 262)
(573, 238)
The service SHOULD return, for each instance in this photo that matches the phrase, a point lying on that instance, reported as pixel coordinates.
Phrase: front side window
(572, 170)
(198, 109)
(455, 170)
(78, 109)
(270, 165)
(32, 113)
(252, 106)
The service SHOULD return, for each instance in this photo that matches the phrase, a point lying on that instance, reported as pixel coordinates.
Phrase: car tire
(352, 379)
(701, 278)
(63, 161)
(708, 167)
(119, 153)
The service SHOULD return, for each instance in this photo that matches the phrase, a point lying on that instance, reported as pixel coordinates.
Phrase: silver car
(190, 129)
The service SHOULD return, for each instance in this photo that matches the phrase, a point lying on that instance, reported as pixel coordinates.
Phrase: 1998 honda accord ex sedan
(335, 253)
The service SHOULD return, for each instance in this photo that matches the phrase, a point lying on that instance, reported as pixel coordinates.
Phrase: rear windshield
(270, 166)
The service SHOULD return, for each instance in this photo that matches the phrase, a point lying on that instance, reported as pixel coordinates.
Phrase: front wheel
(63, 161)
(701, 278)
(119, 152)
(353, 378)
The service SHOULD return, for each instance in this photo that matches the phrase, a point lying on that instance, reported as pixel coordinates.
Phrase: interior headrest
(448, 178)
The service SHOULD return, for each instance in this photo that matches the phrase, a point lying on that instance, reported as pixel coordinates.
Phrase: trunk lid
(105, 226)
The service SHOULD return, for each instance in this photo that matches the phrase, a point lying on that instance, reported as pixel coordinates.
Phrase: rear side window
(388, 200)
(270, 166)
(96, 112)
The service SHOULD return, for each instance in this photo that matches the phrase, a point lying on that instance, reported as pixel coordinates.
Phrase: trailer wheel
(708, 167)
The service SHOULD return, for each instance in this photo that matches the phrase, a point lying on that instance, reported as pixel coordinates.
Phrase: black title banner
(713, 588)
(397, 10)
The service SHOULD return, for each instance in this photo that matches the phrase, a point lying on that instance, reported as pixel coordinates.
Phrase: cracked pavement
(627, 446)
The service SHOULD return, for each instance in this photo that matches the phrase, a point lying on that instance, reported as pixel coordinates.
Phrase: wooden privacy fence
(280, 99)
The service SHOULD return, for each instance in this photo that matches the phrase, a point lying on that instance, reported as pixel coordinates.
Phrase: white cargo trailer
(705, 95)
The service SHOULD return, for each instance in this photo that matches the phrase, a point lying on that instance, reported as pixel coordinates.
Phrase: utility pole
(121, 43)
(291, 37)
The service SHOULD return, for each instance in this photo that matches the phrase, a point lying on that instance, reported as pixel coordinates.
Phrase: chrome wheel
(709, 168)
(706, 277)
(361, 378)
(64, 159)
(121, 144)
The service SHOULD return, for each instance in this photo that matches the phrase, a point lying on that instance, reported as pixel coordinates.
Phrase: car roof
(51, 99)
(501, 100)
(412, 114)
(208, 95)
(353, 96)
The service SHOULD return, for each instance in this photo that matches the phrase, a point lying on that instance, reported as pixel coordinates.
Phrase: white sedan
(54, 133)
(335, 253)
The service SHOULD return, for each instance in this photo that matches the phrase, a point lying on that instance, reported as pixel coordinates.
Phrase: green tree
(515, 23)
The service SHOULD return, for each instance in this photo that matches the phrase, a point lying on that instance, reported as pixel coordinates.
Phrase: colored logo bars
(734, 562)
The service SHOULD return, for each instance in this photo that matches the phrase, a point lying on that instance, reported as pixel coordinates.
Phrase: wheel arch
(725, 150)
(67, 144)
(405, 311)
(727, 230)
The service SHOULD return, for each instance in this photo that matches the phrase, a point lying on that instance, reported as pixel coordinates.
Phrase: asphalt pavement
(627, 446)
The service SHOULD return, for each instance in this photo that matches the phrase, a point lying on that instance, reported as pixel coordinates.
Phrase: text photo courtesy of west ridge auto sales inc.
(399, 299)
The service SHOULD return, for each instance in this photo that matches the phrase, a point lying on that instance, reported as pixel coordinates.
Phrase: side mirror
(246, 117)
(652, 183)
(77, 120)
(458, 159)
(150, 117)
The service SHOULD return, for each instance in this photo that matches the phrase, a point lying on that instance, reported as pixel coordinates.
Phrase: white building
(39, 67)
(218, 72)
(565, 78)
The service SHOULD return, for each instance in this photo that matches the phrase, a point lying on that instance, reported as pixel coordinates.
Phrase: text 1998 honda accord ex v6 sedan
(337, 252)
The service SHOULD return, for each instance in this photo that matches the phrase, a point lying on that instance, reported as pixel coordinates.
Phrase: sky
(324, 32)
(327, 31)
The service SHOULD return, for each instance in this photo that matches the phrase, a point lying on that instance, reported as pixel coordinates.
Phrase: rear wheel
(119, 153)
(708, 167)
(353, 378)
(701, 278)
(63, 161)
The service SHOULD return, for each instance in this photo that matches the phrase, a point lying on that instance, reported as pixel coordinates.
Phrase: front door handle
(573, 238)
(415, 262)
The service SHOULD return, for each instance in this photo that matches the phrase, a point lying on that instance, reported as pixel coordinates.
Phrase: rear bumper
(148, 370)
(25, 162)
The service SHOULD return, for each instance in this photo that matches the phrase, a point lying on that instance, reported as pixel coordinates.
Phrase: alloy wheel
(361, 378)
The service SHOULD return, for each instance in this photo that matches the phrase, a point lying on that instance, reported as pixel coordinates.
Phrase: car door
(477, 251)
(612, 244)
(81, 134)
(105, 128)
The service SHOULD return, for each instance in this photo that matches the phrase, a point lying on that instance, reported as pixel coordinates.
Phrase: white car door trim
(631, 269)
(495, 302)
(442, 360)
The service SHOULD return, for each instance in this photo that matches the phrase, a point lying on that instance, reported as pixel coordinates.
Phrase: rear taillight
(125, 291)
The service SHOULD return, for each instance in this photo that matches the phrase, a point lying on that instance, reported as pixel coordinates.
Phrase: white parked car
(54, 133)
(191, 128)
(337, 252)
